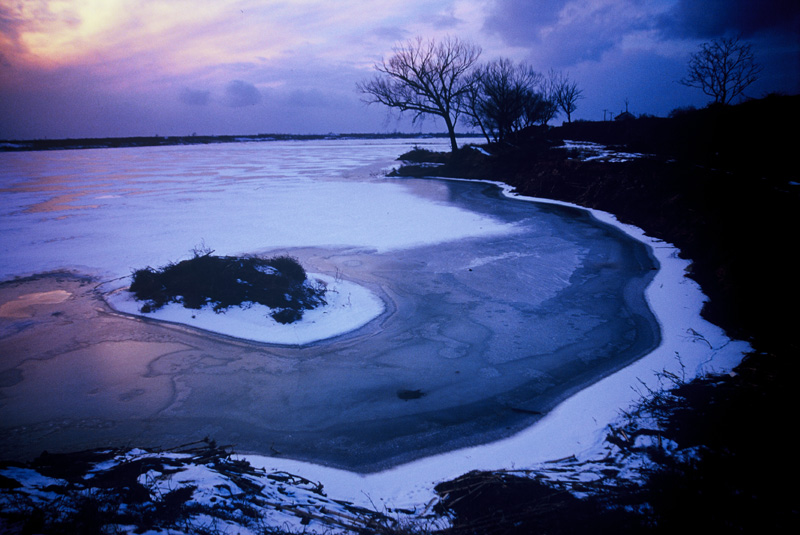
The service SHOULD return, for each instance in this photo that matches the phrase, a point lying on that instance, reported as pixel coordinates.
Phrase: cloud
(647, 80)
(519, 21)
(391, 33)
(560, 33)
(307, 98)
(199, 65)
(239, 94)
(9, 22)
(445, 21)
(194, 97)
(771, 26)
(713, 18)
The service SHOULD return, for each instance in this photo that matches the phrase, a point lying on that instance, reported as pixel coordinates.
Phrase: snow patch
(349, 307)
(589, 151)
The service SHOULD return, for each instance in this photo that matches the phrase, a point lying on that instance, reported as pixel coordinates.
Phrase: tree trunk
(451, 131)
(483, 131)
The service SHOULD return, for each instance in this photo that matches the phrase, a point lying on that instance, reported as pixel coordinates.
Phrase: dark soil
(722, 185)
(497, 503)
(225, 281)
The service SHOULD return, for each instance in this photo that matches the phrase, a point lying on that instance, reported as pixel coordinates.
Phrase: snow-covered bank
(690, 347)
(348, 307)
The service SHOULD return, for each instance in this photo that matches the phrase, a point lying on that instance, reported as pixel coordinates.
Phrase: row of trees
(444, 79)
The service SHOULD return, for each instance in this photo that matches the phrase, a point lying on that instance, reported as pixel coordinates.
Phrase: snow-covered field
(101, 215)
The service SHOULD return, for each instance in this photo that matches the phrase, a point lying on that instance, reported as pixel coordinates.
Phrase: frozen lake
(494, 309)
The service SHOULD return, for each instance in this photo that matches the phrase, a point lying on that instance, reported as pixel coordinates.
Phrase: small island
(221, 282)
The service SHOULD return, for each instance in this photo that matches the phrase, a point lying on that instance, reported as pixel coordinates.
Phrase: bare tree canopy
(425, 78)
(504, 98)
(722, 69)
(541, 106)
(565, 92)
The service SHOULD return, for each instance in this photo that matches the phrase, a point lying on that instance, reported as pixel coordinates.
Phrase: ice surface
(495, 310)
(114, 210)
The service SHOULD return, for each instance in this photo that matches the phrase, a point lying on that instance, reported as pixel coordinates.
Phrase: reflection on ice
(493, 309)
(23, 305)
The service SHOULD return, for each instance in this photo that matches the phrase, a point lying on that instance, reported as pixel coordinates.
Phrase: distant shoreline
(158, 141)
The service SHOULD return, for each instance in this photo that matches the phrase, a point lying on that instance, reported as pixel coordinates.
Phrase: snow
(480, 149)
(577, 427)
(126, 209)
(349, 306)
(223, 497)
(588, 151)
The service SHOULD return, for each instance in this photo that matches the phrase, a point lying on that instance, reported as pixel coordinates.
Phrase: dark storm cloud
(563, 32)
(194, 97)
(713, 18)
(239, 94)
(518, 21)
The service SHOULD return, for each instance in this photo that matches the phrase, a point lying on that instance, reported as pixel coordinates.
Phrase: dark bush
(289, 267)
(419, 155)
(226, 281)
(287, 315)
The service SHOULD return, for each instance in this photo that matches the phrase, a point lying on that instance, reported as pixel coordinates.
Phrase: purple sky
(86, 68)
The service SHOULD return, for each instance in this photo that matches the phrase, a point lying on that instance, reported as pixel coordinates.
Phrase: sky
(112, 68)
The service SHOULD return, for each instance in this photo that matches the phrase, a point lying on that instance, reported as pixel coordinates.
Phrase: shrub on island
(418, 155)
(221, 282)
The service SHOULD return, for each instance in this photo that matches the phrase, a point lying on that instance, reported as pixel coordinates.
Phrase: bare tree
(499, 97)
(565, 93)
(541, 106)
(425, 78)
(472, 102)
(722, 69)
